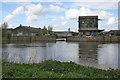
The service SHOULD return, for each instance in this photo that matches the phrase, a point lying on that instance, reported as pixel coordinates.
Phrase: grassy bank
(54, 69)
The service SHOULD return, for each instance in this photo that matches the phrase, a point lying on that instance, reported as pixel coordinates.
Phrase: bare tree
(50, 28)
(4, 25)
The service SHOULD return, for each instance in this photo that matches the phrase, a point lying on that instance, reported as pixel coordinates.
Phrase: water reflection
(94, 54)
(88, 53)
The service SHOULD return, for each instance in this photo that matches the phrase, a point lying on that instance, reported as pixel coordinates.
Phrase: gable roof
(27, 29)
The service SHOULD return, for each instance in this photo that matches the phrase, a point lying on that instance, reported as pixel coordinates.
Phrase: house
(25, 31)
(88, 25)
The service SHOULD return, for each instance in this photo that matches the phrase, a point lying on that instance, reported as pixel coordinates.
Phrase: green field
(54, 69)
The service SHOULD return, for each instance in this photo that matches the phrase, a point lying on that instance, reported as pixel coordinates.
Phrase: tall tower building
(88, 25)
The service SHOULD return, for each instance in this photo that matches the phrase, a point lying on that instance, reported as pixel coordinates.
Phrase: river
(94, 54)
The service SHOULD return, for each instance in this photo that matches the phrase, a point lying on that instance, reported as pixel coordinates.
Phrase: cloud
(34, 12)
(31, 18)
(60, 0)
(12, 26)
(9, 18)
(19, 10)
(56, 8)
(113, 26)
(97, 5)
(110, 24)
(62, 18)
(64, 23)
(74, 13)
(55, 25)
(111, 20)
(54, 19)
(36, 9)
(59, 3)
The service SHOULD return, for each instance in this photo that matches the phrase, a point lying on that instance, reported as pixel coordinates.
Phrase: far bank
(68, 39)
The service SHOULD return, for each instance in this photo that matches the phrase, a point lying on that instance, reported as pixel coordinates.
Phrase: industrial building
(88, 25)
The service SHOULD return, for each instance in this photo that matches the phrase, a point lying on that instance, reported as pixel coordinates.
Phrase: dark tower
(88, 25)
(88, 22)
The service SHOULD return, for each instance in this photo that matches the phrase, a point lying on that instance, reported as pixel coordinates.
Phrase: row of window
(90, 33)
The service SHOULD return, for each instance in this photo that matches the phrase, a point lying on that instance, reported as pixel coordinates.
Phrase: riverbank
(29, 39)
(54, 69)
(93, 39)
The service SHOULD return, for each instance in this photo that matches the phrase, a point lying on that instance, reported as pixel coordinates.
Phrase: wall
(94, 38)
(70, 38)
(33, 38)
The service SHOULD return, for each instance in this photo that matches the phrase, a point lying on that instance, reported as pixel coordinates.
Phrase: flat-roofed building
(88, 25)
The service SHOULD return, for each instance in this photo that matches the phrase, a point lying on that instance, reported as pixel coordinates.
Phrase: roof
(88, 16)
(91, 30)
(28, 28)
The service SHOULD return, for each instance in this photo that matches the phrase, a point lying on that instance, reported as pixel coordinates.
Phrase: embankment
(94, 38)
(29, 39)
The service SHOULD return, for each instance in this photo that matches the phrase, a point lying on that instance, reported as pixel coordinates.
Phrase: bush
(75, 34)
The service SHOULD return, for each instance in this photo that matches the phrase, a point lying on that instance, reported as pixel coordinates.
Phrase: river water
(99, 55)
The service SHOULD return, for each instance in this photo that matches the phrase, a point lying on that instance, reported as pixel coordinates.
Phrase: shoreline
(109, 39)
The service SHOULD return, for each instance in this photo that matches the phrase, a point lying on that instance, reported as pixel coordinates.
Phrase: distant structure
(63, 34)
(88, 25)
(50, 28)
(68, 30)
(25, 31)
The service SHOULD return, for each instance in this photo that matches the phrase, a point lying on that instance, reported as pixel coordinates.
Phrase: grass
(54, 69)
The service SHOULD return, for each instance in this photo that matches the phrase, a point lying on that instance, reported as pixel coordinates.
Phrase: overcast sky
(59, 15)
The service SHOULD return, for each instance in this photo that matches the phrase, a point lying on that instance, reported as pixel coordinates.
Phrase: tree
(44, 30)
(4, 29)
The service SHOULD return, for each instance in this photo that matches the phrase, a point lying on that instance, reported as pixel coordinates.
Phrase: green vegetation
(54, 69)
(42, 32)
(104, 33)
(116, 33)
(54, 35)
(100, 33)
(75, 34)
